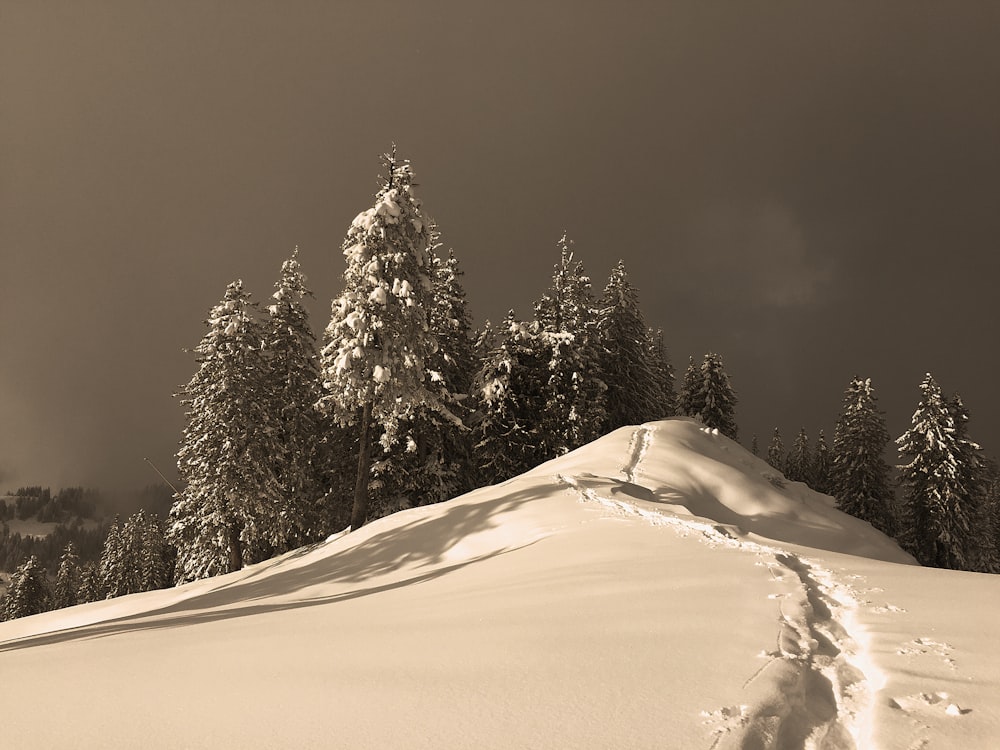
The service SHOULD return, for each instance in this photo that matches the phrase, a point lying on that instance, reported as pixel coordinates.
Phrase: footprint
(922, 701)
(725, 720)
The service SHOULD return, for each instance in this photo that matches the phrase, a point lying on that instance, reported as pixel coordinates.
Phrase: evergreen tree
(664, 398)
(28, 593)
(689, 403)
(433, 462)
(972, 475)
(226, 455)
(821, 466)
(511, 393)
(716, 398)
(989, 522)
(377, 348)
(799, 463)
(935, 484)
(574, 412)
(136, 556)
(90, 584)
(68, 579)
(117, 570)
(776, 451)
(635, 387)
(290, 517)
(754, 448)
(859, 476)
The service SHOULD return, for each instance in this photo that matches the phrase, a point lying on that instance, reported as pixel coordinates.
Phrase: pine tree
(799, 463)
(90, 584)
(574, 411)
(28, 593)
(68, 579)
(821, 466)
(117, 570)
(689, 403)
(511, 393)
(859, 476)
(433, 462)
(972, 475)
(717, 398)
(226, 455)
(636, 387)
(989, 522)
(776, 451)
(935, 484)
(664, 398)
(135, 557)
(377, 347)
(754, 448)
(290, 518)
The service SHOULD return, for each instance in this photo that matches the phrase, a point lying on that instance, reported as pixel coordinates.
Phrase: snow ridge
(820, 697)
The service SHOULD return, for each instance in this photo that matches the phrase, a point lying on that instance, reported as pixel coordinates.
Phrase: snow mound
(660, 587)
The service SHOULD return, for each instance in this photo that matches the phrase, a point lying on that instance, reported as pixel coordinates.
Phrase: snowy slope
(654, 589)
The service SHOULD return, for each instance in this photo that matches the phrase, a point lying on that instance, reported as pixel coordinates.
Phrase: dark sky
(809, 189)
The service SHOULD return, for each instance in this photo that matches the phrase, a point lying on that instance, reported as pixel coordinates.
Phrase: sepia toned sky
(810, 191)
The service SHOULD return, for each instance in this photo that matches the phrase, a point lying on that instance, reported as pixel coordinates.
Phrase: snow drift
(658, 588)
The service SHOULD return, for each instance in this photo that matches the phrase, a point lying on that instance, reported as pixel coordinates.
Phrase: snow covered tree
(433, 462)
(226, 455)
(664, 398)
(982, 556)
(378, 345)
(68, 579)
(776, 451)
(574, 412)
(292, 378)
(28, 593)
(935, 483)
(689, 402)
(511, 394)
(754, 447)
(989, 522)
(635, 387)
(90, 584)
(135, 557)
(799, 462)
(716, 398)
(821, 466)
(859, 476)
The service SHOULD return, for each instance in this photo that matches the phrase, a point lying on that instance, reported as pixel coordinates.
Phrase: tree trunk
(235, 548)
(360, 510)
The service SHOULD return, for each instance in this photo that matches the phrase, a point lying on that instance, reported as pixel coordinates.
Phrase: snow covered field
(654, 589)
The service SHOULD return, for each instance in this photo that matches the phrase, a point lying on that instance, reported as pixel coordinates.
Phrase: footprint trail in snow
(820, 697)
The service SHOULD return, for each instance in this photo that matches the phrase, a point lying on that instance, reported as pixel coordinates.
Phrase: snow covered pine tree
(859, 477)
(936, 484)
(567, 334)
(635, 389)
(227, 450)
(378, 344)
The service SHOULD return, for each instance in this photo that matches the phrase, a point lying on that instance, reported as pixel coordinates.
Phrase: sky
(809, 191)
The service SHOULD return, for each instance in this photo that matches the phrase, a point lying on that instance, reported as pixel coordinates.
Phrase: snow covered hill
(658, 588)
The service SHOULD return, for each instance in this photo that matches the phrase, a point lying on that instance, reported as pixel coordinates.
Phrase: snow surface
(654, 589)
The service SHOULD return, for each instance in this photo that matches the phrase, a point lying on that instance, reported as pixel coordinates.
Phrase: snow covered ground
(655, 589)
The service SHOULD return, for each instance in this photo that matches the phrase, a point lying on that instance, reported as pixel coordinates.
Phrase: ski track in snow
(824, 697)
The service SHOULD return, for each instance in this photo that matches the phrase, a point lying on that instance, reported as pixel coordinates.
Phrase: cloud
(756, 253)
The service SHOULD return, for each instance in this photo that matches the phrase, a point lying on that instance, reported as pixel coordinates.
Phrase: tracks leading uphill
(812, 694)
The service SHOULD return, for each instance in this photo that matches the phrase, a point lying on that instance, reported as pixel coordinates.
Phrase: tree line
(941, 502)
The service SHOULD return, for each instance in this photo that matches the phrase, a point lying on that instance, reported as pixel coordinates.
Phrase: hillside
(654, 589)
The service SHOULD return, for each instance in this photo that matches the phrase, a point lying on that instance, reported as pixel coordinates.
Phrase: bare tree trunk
(360, 510)
(235, 548)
